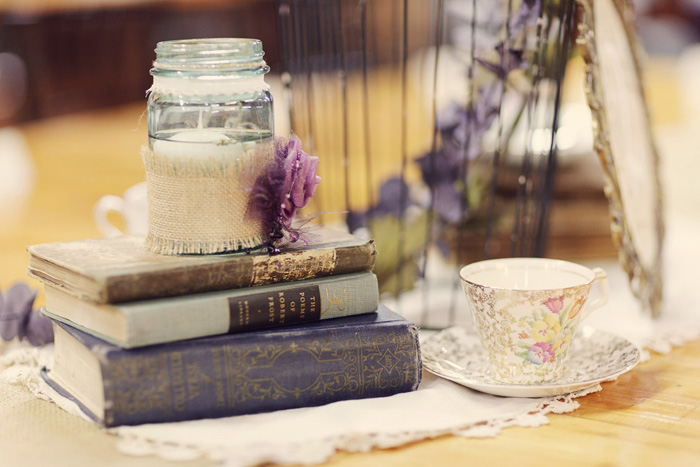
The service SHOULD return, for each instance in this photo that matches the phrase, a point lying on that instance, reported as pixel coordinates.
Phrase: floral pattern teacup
(526, 311)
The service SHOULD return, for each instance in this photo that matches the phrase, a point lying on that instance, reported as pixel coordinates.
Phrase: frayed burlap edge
(198, 205)
(170, 247)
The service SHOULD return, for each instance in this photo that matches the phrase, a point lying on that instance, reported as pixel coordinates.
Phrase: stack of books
(142, 337)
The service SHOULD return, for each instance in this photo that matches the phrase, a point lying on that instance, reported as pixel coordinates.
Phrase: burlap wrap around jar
(198, 205)
(210, 123)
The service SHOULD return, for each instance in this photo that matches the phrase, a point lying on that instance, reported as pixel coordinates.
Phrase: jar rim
(208, 56)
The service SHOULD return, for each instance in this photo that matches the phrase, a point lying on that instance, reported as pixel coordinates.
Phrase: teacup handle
(601, 279)
(107, 204)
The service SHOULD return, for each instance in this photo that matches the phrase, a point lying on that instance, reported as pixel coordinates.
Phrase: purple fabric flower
(540, 353)
(17, 319)
(300, 179)
(287, 185)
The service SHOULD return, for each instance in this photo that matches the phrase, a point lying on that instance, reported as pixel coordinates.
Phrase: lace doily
(312, 435)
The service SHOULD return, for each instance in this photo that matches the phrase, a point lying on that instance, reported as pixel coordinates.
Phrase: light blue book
(148, 322)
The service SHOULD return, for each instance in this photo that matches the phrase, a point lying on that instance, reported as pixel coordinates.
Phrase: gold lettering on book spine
(295, 266)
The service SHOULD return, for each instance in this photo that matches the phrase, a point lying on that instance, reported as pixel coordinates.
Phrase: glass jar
(210, 89)
(210, 132)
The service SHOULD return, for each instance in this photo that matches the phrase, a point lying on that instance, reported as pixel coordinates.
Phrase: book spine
(246, 271)
(209, 378)
(304, 301)
(250, 309)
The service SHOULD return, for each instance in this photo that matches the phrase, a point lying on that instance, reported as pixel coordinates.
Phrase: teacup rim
(588, 271)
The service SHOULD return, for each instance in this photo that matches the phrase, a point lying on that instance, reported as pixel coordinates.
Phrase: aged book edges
(303, 365)
(114, 270)
(156, 321)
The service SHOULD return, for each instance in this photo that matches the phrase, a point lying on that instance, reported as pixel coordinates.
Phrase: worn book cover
(122, 269)
(371, 355)
(148, 322)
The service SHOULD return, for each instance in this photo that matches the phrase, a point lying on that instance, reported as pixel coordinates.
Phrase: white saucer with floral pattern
(594, 356)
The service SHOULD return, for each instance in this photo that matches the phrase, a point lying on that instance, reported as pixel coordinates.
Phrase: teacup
(526, 311)
(133, 207)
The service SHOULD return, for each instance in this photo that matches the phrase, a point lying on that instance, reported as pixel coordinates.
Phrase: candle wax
(198, 143)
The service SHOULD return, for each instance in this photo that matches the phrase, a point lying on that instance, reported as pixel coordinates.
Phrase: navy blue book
(310, 364)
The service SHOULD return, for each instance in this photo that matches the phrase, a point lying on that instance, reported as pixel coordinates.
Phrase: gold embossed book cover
(369, 355)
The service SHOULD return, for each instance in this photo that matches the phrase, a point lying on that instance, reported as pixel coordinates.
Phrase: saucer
(594, 356)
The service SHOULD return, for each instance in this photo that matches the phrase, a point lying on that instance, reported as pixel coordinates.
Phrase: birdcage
(435, 121)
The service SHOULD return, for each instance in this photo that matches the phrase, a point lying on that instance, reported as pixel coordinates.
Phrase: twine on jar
(198, 205)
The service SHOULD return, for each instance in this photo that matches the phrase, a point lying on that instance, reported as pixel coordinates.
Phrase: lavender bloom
(490, 17)
(440, 172)
(389, 203)
(511, 58)
(390, 195)
(17, 319)
(476, 120)
(449, 203)
(462, 128)
(287, 184)
(526, 16)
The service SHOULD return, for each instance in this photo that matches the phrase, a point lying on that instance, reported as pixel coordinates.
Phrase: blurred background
(74, 74)
(66, 56)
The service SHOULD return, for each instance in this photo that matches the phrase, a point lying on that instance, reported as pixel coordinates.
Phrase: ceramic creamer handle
(601, 279)
(107, 204)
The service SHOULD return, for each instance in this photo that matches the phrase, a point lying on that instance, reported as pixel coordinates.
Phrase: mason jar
(210, 135)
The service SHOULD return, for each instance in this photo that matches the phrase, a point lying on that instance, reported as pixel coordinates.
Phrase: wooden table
(650, 416)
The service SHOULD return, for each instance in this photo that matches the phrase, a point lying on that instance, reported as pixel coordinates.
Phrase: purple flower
(300, 179)
(461, 130)
(510, 59)
(17, 319)
(287, 184)
(540, 353)
(526, 16)
(450, 203)
(393, 200)
(555, 305)
(462, 127)
(511, 50)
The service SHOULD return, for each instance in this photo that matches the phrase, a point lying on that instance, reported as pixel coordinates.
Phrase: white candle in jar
(205, 144)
